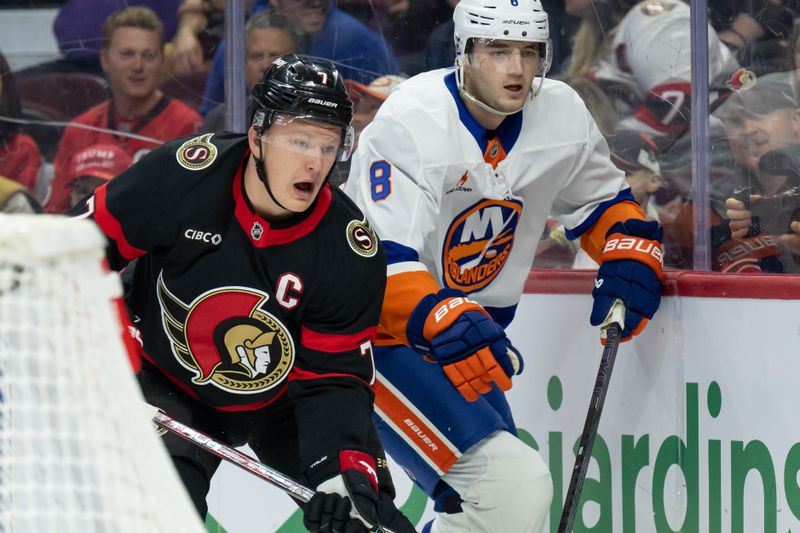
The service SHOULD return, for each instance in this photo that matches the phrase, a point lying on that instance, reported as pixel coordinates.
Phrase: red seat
(61, 96)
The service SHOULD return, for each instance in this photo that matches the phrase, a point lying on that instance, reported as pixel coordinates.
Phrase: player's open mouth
(514, 88)
(304, 188)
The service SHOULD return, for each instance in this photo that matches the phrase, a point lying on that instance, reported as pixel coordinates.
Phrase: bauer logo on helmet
(324, 103)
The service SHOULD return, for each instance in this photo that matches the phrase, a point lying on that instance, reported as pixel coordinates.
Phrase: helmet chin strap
(462, 89)
(262, 175)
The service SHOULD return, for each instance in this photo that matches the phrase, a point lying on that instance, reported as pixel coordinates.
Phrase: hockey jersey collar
(508, 131)
(262, 233)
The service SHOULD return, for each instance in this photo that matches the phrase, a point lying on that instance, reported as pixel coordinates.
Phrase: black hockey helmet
(302, 87)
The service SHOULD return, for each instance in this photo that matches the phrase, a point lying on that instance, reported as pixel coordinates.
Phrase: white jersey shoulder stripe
(405, 266)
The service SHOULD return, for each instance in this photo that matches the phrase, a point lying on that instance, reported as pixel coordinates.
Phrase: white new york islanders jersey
(447, 198)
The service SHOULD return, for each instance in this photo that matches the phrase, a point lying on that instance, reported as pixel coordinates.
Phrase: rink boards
(700, 429)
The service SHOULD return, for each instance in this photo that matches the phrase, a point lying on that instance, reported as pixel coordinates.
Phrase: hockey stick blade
(242, 460)
(613, 331)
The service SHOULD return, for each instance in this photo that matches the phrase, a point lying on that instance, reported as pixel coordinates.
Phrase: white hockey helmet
(513, 20)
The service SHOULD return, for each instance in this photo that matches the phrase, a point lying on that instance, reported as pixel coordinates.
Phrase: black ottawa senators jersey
(232, 308)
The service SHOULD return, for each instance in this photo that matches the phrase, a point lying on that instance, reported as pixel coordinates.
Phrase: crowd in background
(134, 74)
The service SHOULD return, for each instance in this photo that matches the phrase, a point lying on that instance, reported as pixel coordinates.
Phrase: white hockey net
(77, 451)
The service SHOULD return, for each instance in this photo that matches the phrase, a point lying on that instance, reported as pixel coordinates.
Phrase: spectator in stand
(592, 41)
(793, 60)
(406, 25)
(750, 134)
(358, 52)
(636, 154)
(14, 198)
(762, 121)
(200, 29)
(20, 159)
(758, 31)
(597, 102)
(92, 167)
(138, 117)
(559, 34)
(640, 54)
(269, 35)
(441, 48)
(367, 99)
(77, 28)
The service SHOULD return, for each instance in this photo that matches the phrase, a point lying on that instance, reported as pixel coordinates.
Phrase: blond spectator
(138, 117)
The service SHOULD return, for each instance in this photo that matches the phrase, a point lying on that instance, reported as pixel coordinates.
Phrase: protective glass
(295, 6)
(509, 56)
(307, 135)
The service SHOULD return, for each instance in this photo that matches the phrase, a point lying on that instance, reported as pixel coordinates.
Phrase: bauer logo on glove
(465, 341)
(635, 244)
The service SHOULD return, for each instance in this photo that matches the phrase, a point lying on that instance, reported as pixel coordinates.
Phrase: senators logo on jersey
(197, 153)
(361, 238)
(478, 243)
(227, 339)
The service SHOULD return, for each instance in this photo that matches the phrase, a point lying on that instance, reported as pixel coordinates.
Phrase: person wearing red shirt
(20, 159)
(138, 117)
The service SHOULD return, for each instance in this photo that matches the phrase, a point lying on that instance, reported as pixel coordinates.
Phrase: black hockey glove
(330, 513)
(350, 502)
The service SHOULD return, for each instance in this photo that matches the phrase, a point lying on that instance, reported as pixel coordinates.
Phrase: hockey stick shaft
(244, 461)
(613, 331)
(223, 451)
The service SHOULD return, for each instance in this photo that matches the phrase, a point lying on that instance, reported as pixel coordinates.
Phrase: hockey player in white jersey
(458, 173)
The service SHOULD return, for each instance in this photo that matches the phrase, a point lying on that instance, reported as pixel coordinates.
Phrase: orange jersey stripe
(416, 431)
(594, 239)
(403, 292)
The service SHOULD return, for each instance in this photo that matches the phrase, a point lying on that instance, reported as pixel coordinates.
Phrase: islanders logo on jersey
(226, 339)
(478, 243)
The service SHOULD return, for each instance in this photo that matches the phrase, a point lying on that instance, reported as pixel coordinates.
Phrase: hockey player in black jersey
(257, 291)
